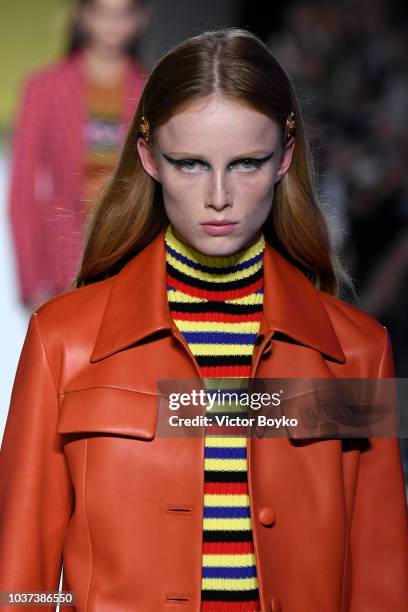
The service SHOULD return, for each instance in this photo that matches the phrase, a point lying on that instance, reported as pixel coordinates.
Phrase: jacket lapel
(137, 306)
(293, 306)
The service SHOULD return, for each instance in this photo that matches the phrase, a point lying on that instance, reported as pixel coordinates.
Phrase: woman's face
(218, 163)
(112, 23)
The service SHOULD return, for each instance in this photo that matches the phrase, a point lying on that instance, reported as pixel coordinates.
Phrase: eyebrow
(194, 157)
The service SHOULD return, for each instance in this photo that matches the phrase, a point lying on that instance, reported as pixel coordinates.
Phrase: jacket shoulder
(354, 327)
(73, 312)
(45, 73)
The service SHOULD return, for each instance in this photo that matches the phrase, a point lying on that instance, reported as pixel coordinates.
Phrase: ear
(286, 159)
(147, 158)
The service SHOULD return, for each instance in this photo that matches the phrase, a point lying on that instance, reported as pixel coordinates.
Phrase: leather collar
(137, 305)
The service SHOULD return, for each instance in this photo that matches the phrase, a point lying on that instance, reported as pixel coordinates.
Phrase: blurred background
(70, 77)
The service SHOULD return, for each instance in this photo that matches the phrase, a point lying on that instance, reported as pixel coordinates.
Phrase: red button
(267, 516)
(276, 605)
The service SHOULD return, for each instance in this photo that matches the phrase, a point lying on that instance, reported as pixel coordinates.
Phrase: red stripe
(226, 371)
(226, 488)
(218, 296)
(231, 606)
(227, 548)
(216, 316)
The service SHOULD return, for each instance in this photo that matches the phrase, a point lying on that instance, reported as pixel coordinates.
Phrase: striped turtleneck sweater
(216, 302)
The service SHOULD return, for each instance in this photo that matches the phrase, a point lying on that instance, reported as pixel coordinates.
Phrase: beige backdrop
(31, 34)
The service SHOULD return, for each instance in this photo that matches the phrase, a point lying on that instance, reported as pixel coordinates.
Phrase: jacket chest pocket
(108, 410)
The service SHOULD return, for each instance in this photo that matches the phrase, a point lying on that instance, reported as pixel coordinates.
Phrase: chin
(220, 245)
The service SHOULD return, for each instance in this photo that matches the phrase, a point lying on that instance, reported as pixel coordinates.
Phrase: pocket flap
(109, 409)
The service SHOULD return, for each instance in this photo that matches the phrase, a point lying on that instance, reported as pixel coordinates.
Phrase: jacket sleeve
(36, 495)
(379, 529)
(25, 208)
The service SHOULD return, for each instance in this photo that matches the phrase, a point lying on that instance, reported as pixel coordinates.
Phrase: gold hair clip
(290, 125)
(145, 129)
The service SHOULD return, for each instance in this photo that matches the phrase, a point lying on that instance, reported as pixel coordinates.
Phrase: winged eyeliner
(259, 160)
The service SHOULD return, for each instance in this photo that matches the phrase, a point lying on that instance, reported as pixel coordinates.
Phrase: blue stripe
(221, 452)
(216, 337)
(214, 269)
(229, 572)
(228, 512)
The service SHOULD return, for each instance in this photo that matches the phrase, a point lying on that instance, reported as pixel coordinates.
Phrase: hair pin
(145, 129)
(290, 125)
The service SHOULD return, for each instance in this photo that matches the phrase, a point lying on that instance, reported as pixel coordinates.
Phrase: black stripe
(236, 411)
(223, 360)
(227, 476)
(211, 285)
(217, 269)
(214, 595)
(227, 536)
(213, 306)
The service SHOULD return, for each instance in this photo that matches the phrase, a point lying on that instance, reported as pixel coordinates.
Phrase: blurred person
(207, 257)
(349, 62)
(71, 120)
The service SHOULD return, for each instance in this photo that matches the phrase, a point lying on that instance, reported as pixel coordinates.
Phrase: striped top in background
(216, 303)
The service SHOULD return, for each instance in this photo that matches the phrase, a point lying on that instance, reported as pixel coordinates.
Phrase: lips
(219, 228)
(219, 223)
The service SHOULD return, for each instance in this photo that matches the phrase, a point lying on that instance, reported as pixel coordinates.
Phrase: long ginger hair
(237, 65)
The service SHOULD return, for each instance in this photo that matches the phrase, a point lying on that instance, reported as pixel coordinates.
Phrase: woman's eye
(189, 165)
(248, 165)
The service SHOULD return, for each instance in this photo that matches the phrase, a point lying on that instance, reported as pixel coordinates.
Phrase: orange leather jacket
(85, 480)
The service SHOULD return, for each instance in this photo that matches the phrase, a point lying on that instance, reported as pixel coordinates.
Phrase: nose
(218, 196)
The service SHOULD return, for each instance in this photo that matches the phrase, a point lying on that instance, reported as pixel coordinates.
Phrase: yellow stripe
(236, 560)
(213, 277)
(220, 349)
(175, 295)
(250, 327)
(231, 407)
(225, 465)
(179, 296)
(252, 298)
(224, 441)
(228, 524)
(229, 584)
(216, 500)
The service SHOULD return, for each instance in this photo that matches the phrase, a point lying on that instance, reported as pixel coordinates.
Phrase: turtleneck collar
(213, 265)
(214, 277)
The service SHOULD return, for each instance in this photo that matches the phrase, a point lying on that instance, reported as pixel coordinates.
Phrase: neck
(104, 65)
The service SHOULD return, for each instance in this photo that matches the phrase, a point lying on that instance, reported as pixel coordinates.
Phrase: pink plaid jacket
(46, 184)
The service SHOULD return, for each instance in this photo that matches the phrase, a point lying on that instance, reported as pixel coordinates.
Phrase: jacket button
(267, 516)
(276, 605)
(259, 339)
